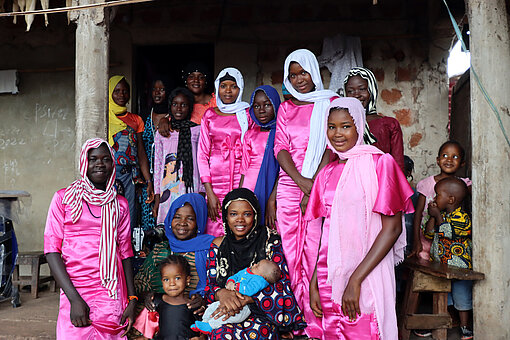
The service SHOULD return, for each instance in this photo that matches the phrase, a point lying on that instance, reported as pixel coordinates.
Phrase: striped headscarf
(371, 108)
(83, 190)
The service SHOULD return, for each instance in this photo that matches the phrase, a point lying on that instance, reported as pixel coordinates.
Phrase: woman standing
(299, 146)
(125, 136)
(195, 76)
(87, 242)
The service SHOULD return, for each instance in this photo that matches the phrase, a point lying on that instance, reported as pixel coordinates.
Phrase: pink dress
(300, 239)
(79, 245)
(219, 158)
(167, 184)
(254, 146)
(425, 187)
(334, 324)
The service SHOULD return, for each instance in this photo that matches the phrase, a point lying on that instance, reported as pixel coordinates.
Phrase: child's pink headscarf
(354, 228)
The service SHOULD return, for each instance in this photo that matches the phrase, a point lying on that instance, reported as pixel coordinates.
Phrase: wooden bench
(34, 259)
(427, 276)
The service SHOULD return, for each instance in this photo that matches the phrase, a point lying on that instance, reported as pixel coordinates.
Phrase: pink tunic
(334, 324)
(426, 188)
(79, 245)
(167, 184)
(219, 158)
(254, 146)
(300, 240)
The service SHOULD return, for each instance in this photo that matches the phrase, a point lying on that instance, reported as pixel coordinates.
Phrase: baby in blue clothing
(249, 282)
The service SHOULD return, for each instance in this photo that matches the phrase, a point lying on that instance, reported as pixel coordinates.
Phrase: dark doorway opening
(166, 60)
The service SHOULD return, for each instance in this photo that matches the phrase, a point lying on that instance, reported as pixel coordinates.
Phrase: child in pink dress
(259, 167)
(362, 198)
(450, 158)
(220, 145)
(175, 157)
(300, 143)
(87, 242)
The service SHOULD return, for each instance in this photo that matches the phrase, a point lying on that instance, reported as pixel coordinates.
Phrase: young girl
(259, 167)
(300, 143)
(220, 148)
(175, 160)
(360, 83)
(362, 197)
(175, 318)
(87, 242)
(450, 159)
(159, 110)
(125, 137)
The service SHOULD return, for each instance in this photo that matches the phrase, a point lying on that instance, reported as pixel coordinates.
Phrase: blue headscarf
(269, 168)
(200, 244)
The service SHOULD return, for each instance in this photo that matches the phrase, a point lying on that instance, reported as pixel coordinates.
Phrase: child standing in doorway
(450, 159)
(449, 226)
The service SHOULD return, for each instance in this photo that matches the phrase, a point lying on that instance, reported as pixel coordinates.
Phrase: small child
(450, 228)
(175, 318)
(450, 159)
(249, 282)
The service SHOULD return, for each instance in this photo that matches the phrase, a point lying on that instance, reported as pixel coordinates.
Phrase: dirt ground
(37, 318)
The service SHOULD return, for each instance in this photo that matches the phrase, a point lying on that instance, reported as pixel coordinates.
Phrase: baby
(248, 281)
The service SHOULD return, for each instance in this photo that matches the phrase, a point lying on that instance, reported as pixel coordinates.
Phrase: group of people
(285, 219)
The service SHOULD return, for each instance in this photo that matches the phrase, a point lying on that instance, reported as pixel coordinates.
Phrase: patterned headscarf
(371, 108)
(83, 190)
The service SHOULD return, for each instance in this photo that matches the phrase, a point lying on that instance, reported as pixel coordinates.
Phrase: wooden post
(91, 78)
(490, 57)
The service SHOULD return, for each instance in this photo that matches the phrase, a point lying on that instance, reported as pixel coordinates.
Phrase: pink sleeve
(394, 191)
(159, 163)
(204, 149)
(397, 144)
(423, 188)
(245, 160)
(315, 207)
(467, 181)
(124, 230)
(54, 231)
(281, 140)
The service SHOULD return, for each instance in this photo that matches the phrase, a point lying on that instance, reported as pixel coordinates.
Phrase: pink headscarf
(354, 228)
(83, 190)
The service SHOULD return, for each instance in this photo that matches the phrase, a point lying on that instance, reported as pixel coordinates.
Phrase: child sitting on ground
(450, 228)
(173, 318)
(249, 282)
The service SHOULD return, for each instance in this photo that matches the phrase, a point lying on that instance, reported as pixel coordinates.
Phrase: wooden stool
(34, 259)
(426, 276)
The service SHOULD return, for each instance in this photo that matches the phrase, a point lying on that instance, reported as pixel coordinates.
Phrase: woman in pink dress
(220, 144)
(300, 143)
(259, 167)
(362, 198)
(87, 242)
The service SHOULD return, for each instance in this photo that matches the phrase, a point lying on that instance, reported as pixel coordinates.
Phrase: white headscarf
(320, 98)
(238, 107)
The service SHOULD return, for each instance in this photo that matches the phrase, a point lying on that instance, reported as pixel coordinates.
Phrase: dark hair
(408, 166)
(178, 260)
(275, 273)
(184, 91)
(457, 144)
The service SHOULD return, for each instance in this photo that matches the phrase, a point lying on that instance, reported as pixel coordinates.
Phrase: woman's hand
(197, 303)
(231, 303)
(155, 207)
(350, 299)
(164, 127)
(315, 301)
(304, 203)
(213, 205)
(148, 302)
(305, 185)
(271, 212)
(80, 313)
(417, 248)
(129, 314)
(150, 192)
